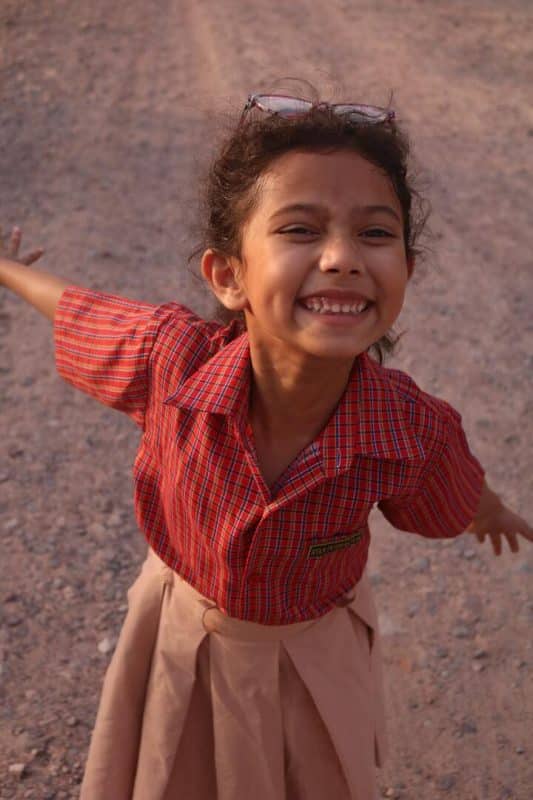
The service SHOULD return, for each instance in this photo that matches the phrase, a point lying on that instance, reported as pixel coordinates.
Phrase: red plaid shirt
(270, 556)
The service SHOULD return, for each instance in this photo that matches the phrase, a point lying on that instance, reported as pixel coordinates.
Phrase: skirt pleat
(200, 706)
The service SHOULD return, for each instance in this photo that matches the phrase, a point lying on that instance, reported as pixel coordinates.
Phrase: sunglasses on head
(288, 107)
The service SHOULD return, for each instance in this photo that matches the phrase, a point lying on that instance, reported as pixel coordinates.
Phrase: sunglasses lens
(361, 113)
(284, 106)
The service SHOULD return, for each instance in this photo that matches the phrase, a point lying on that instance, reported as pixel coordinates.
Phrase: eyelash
(301, 229)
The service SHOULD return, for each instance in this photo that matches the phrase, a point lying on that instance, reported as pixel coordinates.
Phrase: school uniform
(249, 663)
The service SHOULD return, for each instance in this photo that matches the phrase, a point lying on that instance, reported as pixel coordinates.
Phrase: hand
(501, 523)
(11, 251)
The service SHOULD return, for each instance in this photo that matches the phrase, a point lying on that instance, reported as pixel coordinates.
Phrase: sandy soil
(107, 115)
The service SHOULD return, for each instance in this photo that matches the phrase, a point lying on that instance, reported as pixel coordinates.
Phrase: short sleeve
(102, 346)
(446, 495)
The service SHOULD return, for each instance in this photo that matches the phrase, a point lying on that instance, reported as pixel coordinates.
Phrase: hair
(233, 187)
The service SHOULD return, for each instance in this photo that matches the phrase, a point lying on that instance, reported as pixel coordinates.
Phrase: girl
(248, 664)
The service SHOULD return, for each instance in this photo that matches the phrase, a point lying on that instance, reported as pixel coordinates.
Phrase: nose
(342, 255)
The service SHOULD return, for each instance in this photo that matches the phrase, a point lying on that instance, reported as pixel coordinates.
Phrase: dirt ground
(108, 113)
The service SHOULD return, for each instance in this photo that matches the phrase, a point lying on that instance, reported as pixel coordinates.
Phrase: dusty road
(108, 112)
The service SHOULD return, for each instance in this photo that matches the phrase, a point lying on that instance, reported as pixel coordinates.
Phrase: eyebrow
(372, 209)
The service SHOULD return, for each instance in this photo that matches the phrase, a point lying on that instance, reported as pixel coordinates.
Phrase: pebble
(11, 524)
(107, 645)
(519, 750)
(17, 769)
(469, 554)
(114, 520)
(72, 721)
(413, 609)
(421, 564)
(468, 726)
(445, 783)
(480, 653)
(478, 666)
(4, 476)
(461, 632)
(96, 529)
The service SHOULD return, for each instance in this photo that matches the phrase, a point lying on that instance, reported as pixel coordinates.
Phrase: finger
(14, 242)
(496, 543)
(31, 257)
(527, 533)
(512, 541)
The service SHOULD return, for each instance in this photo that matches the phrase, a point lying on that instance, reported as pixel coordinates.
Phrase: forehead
(337, 179)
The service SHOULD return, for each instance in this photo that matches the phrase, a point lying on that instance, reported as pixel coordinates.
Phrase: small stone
(107, 645)
(68, 593)
(441, 652)
(4, 476)
(468, 726)
(72, 722)
(413, 609)
(519, 750)
(478, 666)
(421, 564)
(95, 529)
(11, 524)
(114, 520)
(469, 554)
(480, 653)
(390, 792)
(446, 782)
(17, 769)
(461, 632)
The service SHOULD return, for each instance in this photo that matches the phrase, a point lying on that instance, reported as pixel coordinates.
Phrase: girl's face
(323, 268)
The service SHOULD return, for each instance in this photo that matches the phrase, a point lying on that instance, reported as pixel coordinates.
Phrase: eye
(378, 233)
(298, 230)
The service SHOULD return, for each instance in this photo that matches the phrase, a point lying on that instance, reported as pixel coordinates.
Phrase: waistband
(216, 621)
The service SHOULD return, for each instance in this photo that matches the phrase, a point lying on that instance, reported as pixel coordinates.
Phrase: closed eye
(377, 233)
(298, 230)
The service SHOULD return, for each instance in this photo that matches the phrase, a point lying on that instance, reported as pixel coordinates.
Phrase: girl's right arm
(41, 289)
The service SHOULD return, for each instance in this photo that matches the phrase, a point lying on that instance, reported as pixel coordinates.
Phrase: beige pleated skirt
(197, 705)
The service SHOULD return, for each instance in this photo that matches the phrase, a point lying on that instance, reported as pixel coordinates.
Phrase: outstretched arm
(41, 289)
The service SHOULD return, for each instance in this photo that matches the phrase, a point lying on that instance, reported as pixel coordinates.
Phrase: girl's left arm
(495, 520)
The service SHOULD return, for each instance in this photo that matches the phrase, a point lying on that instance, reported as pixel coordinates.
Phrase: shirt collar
(221, 385)
(371, 418)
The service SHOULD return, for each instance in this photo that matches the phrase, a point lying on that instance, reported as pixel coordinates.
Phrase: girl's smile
(323, 268)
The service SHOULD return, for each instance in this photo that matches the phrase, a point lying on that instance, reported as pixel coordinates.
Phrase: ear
(222, 274)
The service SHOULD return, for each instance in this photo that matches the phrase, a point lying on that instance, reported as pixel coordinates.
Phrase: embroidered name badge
(322, 549)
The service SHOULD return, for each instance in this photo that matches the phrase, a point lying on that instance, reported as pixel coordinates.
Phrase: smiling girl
(248, 665)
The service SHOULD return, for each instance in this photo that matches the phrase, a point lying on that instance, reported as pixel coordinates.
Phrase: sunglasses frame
(257, 101)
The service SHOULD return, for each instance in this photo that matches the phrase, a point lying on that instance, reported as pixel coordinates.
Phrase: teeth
(323, 305)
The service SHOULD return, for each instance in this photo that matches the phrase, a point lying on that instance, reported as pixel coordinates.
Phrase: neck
(295, 398)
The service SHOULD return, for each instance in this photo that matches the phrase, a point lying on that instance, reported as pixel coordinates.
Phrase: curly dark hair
(255, 141)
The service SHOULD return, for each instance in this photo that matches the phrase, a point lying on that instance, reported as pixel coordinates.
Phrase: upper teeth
(324, 306)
